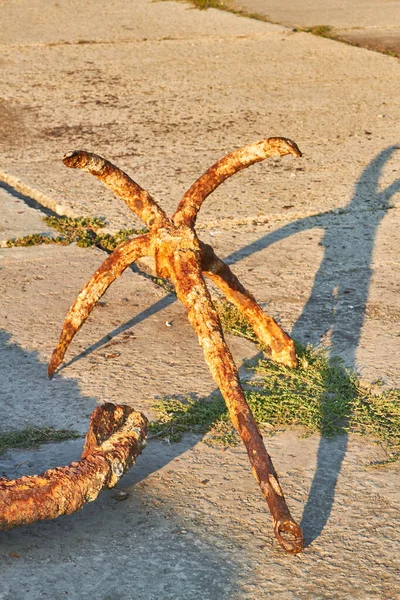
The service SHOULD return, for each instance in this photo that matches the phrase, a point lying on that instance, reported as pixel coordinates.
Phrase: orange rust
(267, 330)
(114, 265)
(136, 198)
(115, 438)
(237, 160)
(180, 256)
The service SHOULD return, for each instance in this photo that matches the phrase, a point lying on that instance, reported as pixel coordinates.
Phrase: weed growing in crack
(225, 6)
(83, 231)
(320, 30)
(32, 437)
(321, 395)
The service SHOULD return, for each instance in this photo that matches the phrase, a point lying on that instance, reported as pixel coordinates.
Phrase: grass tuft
(83, 231)
(205, 4)
(32, 437)
(225, 6)
(233, 321)
(320, 30)
(176, 417)
(35, 239)
(321, 395)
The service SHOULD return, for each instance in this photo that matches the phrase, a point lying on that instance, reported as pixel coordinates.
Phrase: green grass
(233, 321)
(204, 4)
(320, 30)
(176, 417)
(83, 231)
(35, 239)
(321, 395)
(32, 437)
(226, 6)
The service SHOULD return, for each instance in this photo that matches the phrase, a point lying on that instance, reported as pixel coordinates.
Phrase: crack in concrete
(38, 200)
(83, 42)
(30, 195)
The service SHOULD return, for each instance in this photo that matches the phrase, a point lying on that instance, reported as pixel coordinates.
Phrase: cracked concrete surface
(165, 90)
(19, 218)
(373, 24)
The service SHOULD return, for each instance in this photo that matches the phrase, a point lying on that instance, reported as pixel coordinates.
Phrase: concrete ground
(164, 90)
(373, 24)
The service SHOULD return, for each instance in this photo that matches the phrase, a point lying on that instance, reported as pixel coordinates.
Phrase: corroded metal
(115, 438)
(267, 330)
(124, 255)
(181, 257)
(230, 164)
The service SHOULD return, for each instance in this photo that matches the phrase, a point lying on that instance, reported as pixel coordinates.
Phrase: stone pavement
(373, 24)
(164, 90)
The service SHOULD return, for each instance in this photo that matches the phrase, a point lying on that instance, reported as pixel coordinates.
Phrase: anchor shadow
(336, 306)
